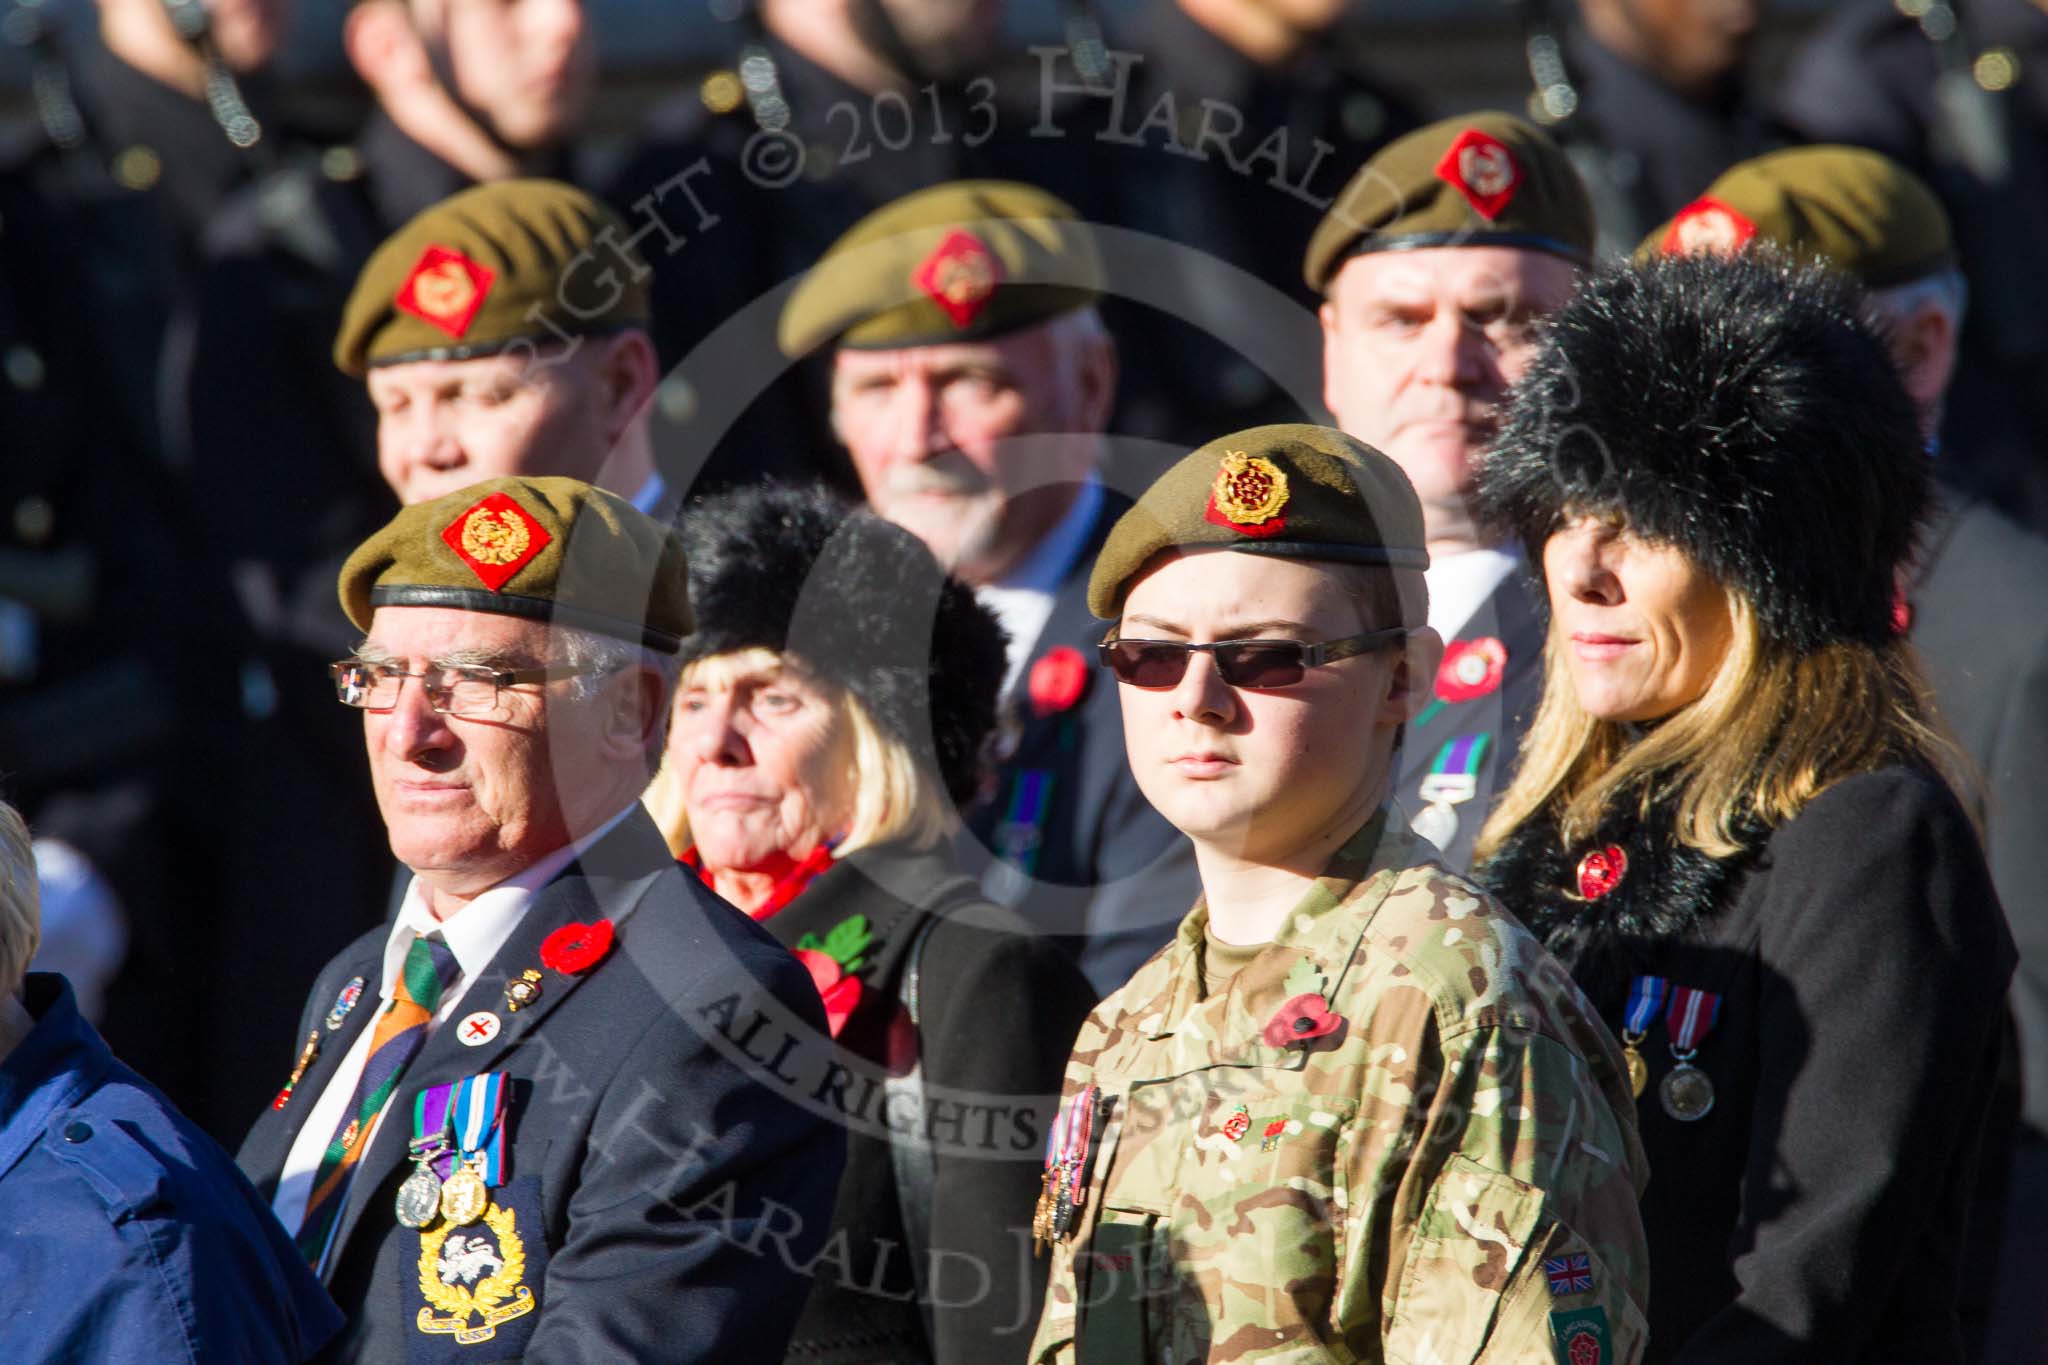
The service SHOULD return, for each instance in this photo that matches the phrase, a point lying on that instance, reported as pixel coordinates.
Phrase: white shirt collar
(1023, 601)
(1459, 584)
(479, 929)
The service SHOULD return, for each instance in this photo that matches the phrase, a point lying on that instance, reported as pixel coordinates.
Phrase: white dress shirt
(1023, 601)
(474, 934)
(1459, 584)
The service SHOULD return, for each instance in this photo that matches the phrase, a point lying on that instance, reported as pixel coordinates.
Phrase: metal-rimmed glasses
(465, 690)
(1255, 664)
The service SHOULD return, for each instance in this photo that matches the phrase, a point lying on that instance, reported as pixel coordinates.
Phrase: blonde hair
(895, 799)
(1774, 730)
(21, 901)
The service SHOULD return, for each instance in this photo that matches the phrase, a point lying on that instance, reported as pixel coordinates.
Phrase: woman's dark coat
(998, 1010)
(1818, 1212)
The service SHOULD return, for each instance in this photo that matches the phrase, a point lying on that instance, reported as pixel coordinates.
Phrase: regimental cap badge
(1480, 167)
(960, 275)
(496, 538)
(1707, 225)
(1249, 493)
(445, 289)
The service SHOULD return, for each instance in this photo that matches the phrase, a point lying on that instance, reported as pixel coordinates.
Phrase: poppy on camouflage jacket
(1451, 1174)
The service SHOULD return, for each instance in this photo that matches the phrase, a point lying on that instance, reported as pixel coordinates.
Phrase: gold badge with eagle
(471, 1277)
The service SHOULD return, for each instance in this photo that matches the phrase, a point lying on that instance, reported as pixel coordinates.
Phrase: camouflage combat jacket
(1449, 1175)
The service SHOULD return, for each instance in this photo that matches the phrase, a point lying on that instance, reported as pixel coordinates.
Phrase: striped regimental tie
(430, 969)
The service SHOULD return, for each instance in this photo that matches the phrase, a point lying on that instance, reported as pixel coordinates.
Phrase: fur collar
(1669, 892)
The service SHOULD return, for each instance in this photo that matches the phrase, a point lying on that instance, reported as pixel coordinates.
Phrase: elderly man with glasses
(526, 1113)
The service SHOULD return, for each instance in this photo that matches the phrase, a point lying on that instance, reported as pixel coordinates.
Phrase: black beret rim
(530, 608)
(1080, 298)
(490, 348)
(1912, 274)
(1390, 556)
(1370, 243)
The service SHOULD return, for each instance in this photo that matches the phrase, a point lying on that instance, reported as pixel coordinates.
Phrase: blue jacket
(125, 1232)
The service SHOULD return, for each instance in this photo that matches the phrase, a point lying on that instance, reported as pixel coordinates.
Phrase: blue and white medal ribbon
(1645, 1002)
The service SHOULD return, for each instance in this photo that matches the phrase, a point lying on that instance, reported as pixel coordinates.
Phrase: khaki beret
(515, 262)
(549, 549)
(1293, 490)
(957, 262)
(1478, 180)
(1854, 210)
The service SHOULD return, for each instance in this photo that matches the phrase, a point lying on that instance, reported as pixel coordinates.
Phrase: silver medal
(1438, 823)
(419, 1198)
(1686, 1093)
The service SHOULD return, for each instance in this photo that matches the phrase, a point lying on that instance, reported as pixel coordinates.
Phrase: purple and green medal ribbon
(1645, 998)
(1461, 757)
(1030, 794)
(430, 1112)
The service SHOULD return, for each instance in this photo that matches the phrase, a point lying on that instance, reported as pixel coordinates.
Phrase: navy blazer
(125, 1232)
(1517, 615)
(668, 1173)
(1068, 841)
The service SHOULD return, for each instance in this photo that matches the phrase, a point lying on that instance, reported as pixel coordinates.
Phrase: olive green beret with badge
(1292, 490)
(1477, 180)
(549, 549)
(1851, 209)
(515, 262)
(957, 262)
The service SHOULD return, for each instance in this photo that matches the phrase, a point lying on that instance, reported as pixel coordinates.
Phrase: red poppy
(1058, 680)
(576, 948)
(1471, 669)
(840, 992)
(1601, 871)
(1300, 1019)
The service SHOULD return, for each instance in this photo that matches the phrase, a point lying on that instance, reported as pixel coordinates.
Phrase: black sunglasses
(1242, 663)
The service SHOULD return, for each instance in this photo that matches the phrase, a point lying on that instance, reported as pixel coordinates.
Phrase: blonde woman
(1734, 816)
(834, 706)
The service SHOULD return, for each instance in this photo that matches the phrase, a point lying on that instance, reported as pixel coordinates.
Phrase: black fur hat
(861, 603)
(1739, 409)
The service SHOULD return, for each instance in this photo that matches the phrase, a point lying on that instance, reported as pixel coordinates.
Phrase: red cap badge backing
(1480, 167)
(960, 276)
(445, 290)
(1704, 225)
(496, 538)
(1249, 492)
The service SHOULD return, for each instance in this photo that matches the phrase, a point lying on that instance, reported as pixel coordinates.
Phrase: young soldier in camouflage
(1354, 1111)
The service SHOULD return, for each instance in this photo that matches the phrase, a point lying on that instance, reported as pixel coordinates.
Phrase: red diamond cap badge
(1480, 167)
(445, 289)
(496, 538)
(1707, 225)
(960, 276)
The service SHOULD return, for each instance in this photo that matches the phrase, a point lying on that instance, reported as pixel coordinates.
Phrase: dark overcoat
(666, 1179)
(997, 1010)
(1819, 1210)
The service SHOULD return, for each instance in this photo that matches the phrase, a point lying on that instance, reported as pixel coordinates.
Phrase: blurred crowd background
(188, 191)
